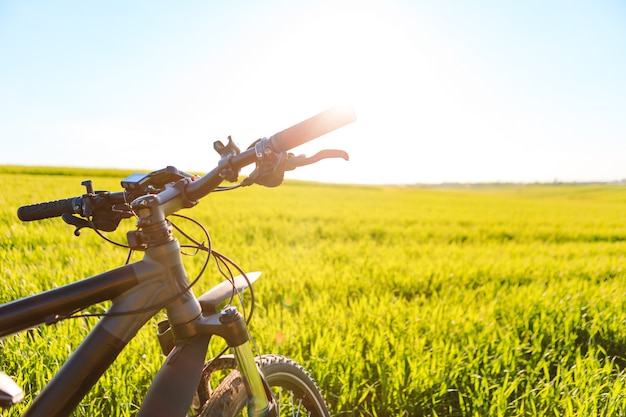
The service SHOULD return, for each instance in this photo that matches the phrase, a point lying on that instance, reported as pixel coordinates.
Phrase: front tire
(295, 391)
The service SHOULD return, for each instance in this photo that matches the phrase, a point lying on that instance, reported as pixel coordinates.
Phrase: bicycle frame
(136, 288)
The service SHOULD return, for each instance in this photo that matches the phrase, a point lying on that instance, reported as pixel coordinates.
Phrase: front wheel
(295, 391)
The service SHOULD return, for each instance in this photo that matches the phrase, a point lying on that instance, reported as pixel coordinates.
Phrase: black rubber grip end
(46, 210)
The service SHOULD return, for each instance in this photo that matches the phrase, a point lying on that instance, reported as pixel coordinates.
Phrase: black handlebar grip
(47, 210)
(312, 128)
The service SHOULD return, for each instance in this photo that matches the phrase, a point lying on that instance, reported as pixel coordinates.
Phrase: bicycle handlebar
(282, 141)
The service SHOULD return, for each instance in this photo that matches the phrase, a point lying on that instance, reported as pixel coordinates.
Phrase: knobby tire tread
(230, 397)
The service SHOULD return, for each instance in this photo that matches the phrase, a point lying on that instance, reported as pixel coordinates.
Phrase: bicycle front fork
(230, 325)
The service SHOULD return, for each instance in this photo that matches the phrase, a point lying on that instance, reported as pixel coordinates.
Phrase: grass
(499, 301)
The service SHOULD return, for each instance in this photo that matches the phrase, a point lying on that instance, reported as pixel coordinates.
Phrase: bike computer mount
(137, 184)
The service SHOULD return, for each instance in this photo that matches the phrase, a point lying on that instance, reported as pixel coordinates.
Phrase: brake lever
(294, 162)
(77, 222)
(271, 167)
(101, 220)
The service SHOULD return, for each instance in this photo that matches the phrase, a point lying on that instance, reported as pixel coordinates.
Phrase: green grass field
(482, 301)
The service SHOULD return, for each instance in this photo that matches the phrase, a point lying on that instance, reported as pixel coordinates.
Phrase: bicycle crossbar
(51, 305)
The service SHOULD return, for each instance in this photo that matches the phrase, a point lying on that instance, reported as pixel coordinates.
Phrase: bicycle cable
(223, 264)
(225, 261)
(99, 233)
(163, 304)
(227, 187)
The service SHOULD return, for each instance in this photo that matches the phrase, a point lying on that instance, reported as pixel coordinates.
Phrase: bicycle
(268, 385)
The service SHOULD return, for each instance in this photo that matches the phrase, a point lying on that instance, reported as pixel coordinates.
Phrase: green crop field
(480, 301)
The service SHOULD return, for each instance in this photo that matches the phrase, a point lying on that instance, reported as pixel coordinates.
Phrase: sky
(444, 91)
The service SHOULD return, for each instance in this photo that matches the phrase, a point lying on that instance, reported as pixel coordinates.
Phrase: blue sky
(469, 91)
